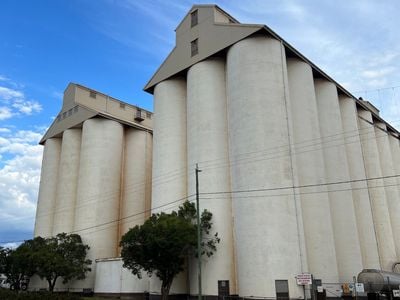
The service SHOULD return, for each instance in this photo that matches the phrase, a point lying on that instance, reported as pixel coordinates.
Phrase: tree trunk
(165, 287)
(52, 283)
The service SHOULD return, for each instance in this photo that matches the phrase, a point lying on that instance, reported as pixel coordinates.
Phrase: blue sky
(115, 46)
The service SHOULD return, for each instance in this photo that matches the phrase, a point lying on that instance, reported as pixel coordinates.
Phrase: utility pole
(198, 230)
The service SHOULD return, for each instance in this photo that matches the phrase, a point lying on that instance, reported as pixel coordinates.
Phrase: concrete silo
(136, 179)
(67, 181)
(207, 144)
(362, 203)
(98, 193)
(169, 177)
(345, 232)
(48, 188)
(380, 210)
(389, 181)
(169, 154)
(320, 245)
(256, 101)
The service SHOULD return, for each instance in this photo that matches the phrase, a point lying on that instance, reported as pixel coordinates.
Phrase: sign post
(304, 279)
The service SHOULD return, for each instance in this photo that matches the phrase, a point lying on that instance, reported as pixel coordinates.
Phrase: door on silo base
(223, 289)
(282, 289)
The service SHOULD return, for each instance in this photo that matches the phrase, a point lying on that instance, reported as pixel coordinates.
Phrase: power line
(245, 191)
(262, 157)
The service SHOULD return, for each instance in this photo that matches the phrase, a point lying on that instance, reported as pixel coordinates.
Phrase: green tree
(61, 256)
(17, 264)
(163, 243)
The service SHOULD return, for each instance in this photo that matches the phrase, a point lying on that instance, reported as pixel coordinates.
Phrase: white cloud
(27, 107)
(19, 178)
(8, 94)
(5, 113)
(378, 73)
(4, 130)
(3, 78)
(15, 103)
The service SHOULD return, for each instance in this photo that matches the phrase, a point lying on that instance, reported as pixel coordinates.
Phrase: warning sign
(304, 279)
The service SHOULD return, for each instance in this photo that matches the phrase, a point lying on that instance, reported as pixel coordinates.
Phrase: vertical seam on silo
(291, 159)
(122, 189)
(368, 186)
(235, 275)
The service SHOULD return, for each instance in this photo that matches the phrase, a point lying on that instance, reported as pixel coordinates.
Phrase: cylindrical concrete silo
(48, 188)
(265, 224)
(207, 141)
(347, 246)
(169, 181)
(380, 211)
(67, 181)
(136, 187)
(98, 193)
(362, 202)
(390, 182)
(311, 171)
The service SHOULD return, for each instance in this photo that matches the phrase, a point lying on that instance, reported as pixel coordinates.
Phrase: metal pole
(198, 230)
(355, 287)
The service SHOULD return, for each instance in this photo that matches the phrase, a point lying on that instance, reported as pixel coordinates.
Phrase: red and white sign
(304, 279)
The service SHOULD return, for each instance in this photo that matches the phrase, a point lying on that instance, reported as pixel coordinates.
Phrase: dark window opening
(193, 18)
(92, 94)
(194, 46)
(122, 105)
(138, 116)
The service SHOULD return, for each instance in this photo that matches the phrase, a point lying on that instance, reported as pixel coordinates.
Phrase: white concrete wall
(380, 211)
(207, 141)
(67, 182)
(111, 277)
(362, 201)
(391, 187)
(48, 188)
(98, 194)
(347, 246)
(169, 183)
(266, 233)
(321, 254)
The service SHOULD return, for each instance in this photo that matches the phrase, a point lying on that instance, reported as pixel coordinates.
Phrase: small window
(93, 94)
(58, 118)
(64, 115)
(122, 105)
(148, 115)
(193, 18)
(70, 112)
(75, 109)
(194, 47)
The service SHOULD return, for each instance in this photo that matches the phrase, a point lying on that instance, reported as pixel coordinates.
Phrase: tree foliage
(61, 256)
(17, 264)
(50, 258)
(163, 243)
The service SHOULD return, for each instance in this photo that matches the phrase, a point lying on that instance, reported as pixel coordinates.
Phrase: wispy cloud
(14, 103)
(5, 113)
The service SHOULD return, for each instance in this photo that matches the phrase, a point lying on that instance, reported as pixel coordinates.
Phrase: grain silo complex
(301, 176)
(96, 171)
